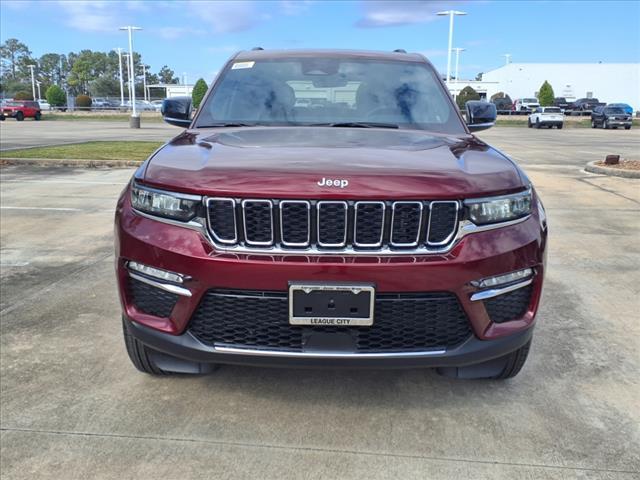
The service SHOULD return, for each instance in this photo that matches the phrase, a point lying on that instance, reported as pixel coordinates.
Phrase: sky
(197, 37)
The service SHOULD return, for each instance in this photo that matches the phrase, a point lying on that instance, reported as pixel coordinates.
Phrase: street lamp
(144, 81)
(39, 94)
(33, 81)
(134, 121)
(451, 14)
(119, 50)
(457, 50)
(126, 59)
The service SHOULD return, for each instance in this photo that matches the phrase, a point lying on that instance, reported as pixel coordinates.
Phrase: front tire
(514, 362)
(605, 124)
(628, 128)
(38, 116)
(560, 127)
(529, 124)
(139, 354)
(593, 123)
(537, 123)
(19, 116)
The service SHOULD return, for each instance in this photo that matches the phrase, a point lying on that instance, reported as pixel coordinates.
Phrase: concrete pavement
(74, 407)
(30, 133)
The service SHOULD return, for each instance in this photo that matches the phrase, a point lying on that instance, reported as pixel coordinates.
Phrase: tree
(83, 101)
(11, 51)
(23, 95)
(55, 96)
(545, 95)
(479, 77)
(166, 75)
(465, 95)
(199, 91)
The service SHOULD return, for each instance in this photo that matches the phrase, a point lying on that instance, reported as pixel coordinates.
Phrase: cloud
(171, 33)
(295, 7)
(225, 16)
(389, 13)
(91, 16)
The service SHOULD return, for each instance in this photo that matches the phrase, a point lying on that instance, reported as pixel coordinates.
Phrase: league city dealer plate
(345, 305)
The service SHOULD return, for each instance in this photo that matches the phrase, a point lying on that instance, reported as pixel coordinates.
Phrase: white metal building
(172, 90)
(608, 82)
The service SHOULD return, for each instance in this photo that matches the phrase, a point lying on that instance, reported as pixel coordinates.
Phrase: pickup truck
(546, 117)
(610, 117)
(562, 103)
(586, 104)
(525, 104)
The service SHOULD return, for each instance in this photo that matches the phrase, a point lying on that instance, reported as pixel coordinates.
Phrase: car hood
(290, 162)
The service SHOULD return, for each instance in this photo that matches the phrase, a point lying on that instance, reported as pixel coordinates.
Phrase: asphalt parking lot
(74, 407)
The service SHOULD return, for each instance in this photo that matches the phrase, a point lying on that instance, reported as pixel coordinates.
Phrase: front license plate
(344, 305)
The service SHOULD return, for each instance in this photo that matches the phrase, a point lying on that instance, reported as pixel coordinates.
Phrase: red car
(372, 229)
(20, 109)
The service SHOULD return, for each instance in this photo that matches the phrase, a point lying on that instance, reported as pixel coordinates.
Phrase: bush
(83, 101)
(55, 96)
(465, 95)
(545, 95)
(199, 91)
(23, 95)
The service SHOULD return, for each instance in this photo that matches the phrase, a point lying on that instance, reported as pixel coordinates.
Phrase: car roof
(336, 53)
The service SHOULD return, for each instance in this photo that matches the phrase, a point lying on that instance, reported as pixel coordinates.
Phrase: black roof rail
(257, 48)
(399, 50)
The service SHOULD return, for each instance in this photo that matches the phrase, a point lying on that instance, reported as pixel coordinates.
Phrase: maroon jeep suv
(331, 209)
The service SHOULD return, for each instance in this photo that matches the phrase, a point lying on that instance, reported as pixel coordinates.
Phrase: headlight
(177, 206)
(499, 209)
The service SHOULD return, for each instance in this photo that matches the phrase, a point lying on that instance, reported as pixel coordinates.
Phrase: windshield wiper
(231, 124)
(356, 125)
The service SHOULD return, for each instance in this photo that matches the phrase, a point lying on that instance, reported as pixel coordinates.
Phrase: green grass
(88, 151)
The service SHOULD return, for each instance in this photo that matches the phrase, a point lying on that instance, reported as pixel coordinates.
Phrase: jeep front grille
(310, 226)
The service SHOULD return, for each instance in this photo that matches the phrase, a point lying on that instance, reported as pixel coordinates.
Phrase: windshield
(14, 104)
(331, 91)
(552, 110)
(530, 100)
(614, 110)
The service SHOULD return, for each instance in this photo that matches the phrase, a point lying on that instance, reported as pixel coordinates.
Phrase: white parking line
(54, 209)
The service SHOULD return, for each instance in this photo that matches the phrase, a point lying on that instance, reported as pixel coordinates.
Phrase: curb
(591, 167)
(80, 163)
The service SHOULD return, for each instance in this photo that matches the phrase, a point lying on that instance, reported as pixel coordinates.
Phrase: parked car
(44, 105)
(157, 104)
(21, 109)
(546, 117)
(562, 103)
(525, 104)
(99, 103)
(610, 117)
(503, 104)
(586, 104)
(627, 108)
(309, 242)
(141, 106)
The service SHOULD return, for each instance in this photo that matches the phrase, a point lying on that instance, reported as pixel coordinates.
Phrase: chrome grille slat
(333, 226)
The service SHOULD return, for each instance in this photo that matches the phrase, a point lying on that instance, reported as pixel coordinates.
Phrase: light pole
(144, 81)
(119, 50)
(33, 81)
(39, 94)
(134, 121)
(126, 59)
(184, 78)
(451, 14)
(457, 50)
(507, 58)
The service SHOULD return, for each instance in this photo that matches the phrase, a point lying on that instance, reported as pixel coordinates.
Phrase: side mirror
(177, 111)
(480, 115)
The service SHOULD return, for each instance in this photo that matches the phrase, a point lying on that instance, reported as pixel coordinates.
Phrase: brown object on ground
(612, 160)
(624, 164)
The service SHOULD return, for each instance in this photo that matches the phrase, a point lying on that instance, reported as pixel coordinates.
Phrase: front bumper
(476, 256)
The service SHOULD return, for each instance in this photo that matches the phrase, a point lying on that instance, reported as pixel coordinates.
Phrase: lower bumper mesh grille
(150, 299)
(260, 320)
(509, 306)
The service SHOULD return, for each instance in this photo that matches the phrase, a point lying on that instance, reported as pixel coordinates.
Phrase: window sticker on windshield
(239, 65)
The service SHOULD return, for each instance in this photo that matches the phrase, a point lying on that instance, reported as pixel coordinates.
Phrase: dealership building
(608, 82)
